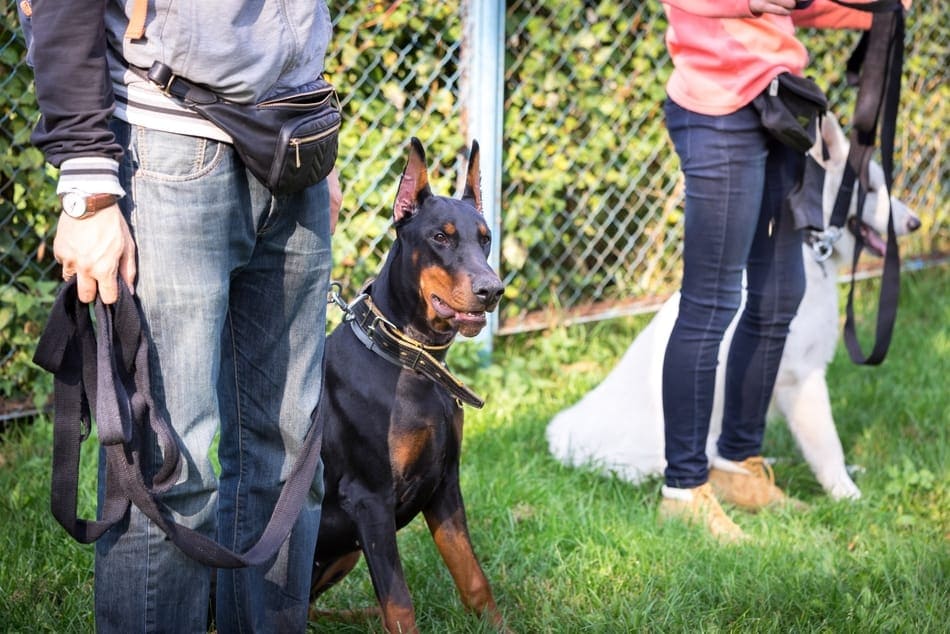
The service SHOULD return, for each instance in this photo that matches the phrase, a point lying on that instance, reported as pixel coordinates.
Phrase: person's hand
(336, 197)
(778, 7)
(96, 250)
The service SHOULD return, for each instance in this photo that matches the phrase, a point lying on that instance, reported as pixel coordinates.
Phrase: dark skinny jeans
(737, 179)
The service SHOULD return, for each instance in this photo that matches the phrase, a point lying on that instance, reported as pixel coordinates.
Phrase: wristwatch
(79, 205)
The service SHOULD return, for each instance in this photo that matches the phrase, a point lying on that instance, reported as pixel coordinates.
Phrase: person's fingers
(106, 274)
(97, 250)
(108, 290)
(127, 267)
(128, 273)
(86, 288)
(334, 217)
(777, 7)
(336, 197)
(64, 255)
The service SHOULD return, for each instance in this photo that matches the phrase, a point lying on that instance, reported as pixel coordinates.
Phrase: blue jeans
(737, 179)
(233, 284)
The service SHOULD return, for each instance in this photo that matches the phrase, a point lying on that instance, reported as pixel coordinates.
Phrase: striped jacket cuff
(90, 175)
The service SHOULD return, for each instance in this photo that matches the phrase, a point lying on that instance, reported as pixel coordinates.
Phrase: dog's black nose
(488, 289)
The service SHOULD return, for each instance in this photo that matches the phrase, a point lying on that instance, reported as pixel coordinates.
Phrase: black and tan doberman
(392, 412)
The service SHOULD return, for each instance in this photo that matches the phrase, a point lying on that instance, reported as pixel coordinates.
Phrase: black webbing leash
(876, 66)
(104, 380)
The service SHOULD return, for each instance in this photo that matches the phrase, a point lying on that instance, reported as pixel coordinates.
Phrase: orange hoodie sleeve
(825, 14)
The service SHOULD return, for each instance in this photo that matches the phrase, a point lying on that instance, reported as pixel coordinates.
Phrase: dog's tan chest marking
(407, 446)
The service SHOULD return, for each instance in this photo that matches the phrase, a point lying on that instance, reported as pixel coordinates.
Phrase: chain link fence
(592, 196)
(590, 190)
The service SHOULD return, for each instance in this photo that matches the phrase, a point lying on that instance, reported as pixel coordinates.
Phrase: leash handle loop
(111, 371)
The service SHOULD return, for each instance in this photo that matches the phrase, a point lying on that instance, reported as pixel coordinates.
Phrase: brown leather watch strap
(97, 202)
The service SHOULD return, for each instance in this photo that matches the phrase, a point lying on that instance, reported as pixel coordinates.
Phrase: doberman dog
(391, 411)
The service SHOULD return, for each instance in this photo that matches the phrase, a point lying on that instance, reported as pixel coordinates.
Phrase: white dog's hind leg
(807, 408)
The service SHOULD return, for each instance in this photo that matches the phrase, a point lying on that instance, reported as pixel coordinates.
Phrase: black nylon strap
(111, 372)
(880, 57)
(64, 344)
(161, 75)
(877, 6)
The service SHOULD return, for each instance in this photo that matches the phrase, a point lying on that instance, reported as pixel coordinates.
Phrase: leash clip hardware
(823, 243)
(334, 297)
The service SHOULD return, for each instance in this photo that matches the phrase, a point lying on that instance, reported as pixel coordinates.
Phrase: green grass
(569, 551)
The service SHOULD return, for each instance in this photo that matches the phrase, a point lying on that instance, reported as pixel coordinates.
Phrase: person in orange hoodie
(725, 53)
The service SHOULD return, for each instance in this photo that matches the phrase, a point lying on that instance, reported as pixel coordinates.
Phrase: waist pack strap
(880, 57)
(162, 76)
(106, 379)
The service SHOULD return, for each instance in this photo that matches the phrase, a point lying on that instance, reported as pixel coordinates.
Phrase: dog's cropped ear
(414, 184)
(473, 180)
(834, 144)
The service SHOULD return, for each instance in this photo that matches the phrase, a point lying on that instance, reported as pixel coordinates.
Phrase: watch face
(74, 204)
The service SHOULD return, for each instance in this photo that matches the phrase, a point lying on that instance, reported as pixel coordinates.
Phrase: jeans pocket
(167, 156)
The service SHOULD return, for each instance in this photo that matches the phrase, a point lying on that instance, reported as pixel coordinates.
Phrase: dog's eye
(440, 237)
(484, 240)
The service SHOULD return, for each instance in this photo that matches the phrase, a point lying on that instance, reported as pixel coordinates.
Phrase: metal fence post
(485, 65)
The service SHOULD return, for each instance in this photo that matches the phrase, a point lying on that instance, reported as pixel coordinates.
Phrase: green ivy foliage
(27, 193)
(581, 82)
(398, 74)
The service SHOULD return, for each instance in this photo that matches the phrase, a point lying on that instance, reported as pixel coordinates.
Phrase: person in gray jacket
(232, 282)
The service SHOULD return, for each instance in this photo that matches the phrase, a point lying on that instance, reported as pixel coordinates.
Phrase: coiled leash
(105, 380)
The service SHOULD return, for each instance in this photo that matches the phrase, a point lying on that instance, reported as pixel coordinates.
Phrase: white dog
(618, 426)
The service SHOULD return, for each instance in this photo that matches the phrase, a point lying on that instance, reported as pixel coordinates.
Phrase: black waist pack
(789, 109)
(288, 142)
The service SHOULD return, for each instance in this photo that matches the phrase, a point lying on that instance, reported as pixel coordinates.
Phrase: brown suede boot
(749, 485)
(699, 506)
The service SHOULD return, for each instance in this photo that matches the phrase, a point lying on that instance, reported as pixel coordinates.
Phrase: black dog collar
(385, 339)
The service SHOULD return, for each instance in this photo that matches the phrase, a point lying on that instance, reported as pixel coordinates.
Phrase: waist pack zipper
(300, 101)
(297, 141)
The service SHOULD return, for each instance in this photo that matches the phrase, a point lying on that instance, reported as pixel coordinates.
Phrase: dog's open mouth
(468, 322)
(873, 242)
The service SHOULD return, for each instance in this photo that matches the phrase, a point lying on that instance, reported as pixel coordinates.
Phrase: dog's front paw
(844, 489)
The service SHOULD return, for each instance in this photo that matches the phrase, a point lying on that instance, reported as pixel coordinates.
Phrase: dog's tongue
(872, 241)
